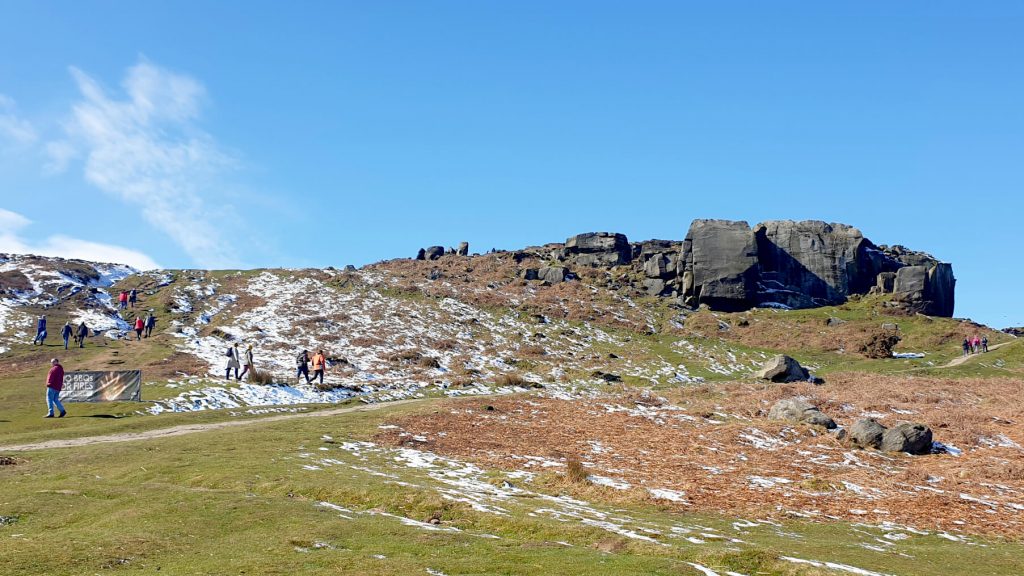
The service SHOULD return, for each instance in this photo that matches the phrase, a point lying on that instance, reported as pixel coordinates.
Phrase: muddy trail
(183, 429)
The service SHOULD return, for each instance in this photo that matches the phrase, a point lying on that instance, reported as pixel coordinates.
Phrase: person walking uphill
(139, 326)
(319, 365)
(40, 331)
(54, 384)
(150, 324)
(65, 333)
(122, 299)
(966, 346)
(247, 363)
(984, 343)
(232, 355)
(83, 331)
(302, 361)
(133, 297)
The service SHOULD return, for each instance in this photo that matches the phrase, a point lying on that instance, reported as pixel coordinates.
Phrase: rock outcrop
(598, 249)
(719, 265)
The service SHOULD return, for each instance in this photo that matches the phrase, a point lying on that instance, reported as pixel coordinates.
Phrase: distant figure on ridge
(247, 363)
(133, 297)
(150, 324)
(83, 331)
(319, 365)
(232, 355)
(302, 363)
(40, 331)
(65, 333)
(54, 384)
(139, 326)
(122, 300)
(967, 346)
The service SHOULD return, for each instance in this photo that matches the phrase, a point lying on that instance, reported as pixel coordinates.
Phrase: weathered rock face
(796, 410)
(783, 369)
(434, 252)
(598, 249)
(463, 249)
(910, 438)
(553, 274)
(867, 433)
(719, 265)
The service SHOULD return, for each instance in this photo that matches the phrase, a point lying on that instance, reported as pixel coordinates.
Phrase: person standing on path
(122, 299)
(83, 331)
(976, 344)
(54, 384)
(40, 331)
(65, 333)
(150, 324)
(247, 363)
(967, 347)
(139, 325)
(232, 355)
(133, 297)
(302, 361)
(984, 343)
(319, 365)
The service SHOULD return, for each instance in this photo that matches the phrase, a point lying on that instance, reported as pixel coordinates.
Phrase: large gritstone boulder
(719, 265)
(463, 249)
(801, 411)
(599, 249)
(783, 369)
(813, 263)
(552, 274)
(907, 437)
(434, 252)
(867, 433)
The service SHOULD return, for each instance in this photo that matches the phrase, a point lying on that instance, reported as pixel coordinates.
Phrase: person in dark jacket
(65, 333)
(966, 346)
(984, 343)
(83, 331)
(40, 331)
(302, 363)
(54, 384)
(150, 324)
(133, 297)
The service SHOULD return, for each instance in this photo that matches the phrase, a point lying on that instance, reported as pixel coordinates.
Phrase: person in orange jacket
(319, 362)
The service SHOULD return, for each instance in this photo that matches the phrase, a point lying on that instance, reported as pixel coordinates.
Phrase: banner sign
(119, 386)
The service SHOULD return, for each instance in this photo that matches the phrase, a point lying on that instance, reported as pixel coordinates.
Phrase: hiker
(54, 384)
(967, 346)
(984, 343)
(976, 344)
(139, 325)
(303, 365)
(65, 333)
(83, 331)
(150, 323)
(232, 355)
(319, 364)
(40, 331)
(247, 363)
(133, 297)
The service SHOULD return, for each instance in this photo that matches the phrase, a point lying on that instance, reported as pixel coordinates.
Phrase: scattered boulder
(907, 437)
(529, 273)
(421, 254)
(607, 376)
(782, 368)
(796, 410)
(867, 433)
(463, 249)
(833, 321)
(434, 252)
(553, 274)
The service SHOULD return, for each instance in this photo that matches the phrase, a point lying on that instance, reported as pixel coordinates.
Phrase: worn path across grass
(188, 429)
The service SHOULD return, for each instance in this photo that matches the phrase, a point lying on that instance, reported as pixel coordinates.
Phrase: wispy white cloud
(146, 148)
(14, 130)
(12, 224)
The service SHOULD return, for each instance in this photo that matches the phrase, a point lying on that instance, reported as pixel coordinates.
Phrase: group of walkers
(67, 333)
(975, 345)
(127, 297)
(304, 362)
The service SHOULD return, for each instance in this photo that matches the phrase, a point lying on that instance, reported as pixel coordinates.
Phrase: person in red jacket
(122, 299)
(139, 326)
(54, 384)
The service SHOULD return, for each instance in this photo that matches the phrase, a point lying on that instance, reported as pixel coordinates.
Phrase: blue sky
(327, 133)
